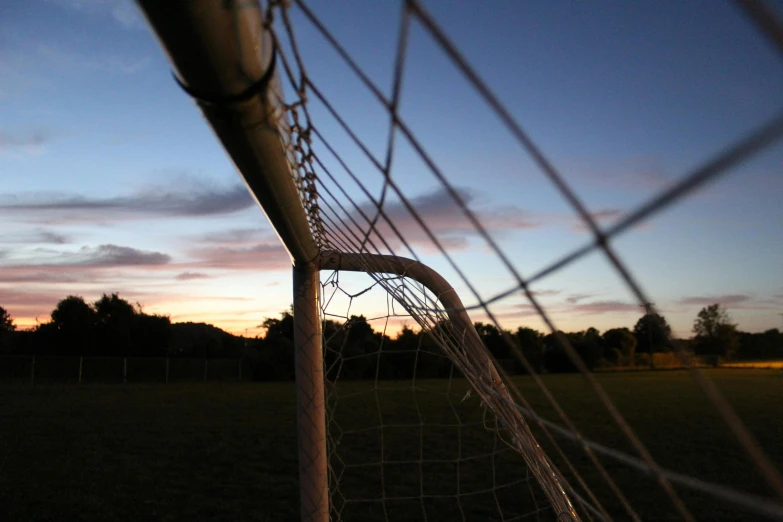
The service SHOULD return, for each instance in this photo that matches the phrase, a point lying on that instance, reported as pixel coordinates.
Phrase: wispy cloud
(601, 217)
(639, 173)
(571, 307)
(448, 222)
(441, 215)
(261, 256)
(546, 293)
(236, 236)
(196, 199)
(34, 275)
(734, 301)
(34, 237)
(101, 256)
(189, 276)
(729, 299)
(15, 143)
(605, 307)
(27, 303)
(575, 298)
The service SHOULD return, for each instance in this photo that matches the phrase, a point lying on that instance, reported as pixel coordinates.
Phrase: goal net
(423, 422)
(408, 446)
(409, 437)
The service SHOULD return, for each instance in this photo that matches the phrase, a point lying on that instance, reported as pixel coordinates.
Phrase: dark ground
(187, 452)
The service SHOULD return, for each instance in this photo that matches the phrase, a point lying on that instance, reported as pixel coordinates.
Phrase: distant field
(221, 452)
(769, 365)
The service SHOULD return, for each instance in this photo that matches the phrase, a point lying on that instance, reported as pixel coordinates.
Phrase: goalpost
(232, 57)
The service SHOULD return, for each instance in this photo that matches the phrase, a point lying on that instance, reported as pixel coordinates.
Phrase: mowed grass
(219, 452)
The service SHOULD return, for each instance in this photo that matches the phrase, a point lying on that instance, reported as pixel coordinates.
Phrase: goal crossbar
(224, 58)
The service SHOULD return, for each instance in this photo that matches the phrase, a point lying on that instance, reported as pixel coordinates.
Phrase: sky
(112, 181)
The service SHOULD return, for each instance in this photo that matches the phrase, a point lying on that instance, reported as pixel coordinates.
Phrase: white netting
(383, 457)
(409, 439)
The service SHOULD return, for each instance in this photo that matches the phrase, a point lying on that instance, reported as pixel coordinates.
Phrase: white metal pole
(310, 402)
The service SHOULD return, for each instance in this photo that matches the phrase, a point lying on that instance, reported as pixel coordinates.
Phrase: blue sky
(112, 181)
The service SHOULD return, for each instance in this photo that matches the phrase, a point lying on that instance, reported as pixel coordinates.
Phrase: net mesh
(387, 404)
(356, 204)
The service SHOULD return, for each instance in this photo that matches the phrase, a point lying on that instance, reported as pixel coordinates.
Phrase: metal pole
(240, 370)
(310, 402)
(167, 370)
(225, 60)
(81, 359)
(32, 371)
(205, 370)
(124, 370)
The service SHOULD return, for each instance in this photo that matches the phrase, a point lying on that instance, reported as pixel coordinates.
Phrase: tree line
(113, 327)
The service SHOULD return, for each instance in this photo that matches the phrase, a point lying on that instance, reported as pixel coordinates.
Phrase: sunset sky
(113, 182)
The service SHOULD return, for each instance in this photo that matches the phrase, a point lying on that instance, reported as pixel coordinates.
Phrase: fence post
(125, 370)
(32, 371)
(81, 359)
(167, 370)
(310, 402)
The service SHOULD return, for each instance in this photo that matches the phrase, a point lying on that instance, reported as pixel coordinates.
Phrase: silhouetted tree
(619, 345)
(194, 340)
(431, 360)
(358, 348)
(115, 318)
(276, 350)
(280, 328)
(73, 325)
(152, 335)
(399, 358)
(6, 322)
(493, 340)
(531, 343)
(653, 334)
(767, 345)
(587, 345)
(7, 327)
(715, 333)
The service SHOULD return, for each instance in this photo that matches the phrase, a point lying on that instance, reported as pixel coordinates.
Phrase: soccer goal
(385, 245)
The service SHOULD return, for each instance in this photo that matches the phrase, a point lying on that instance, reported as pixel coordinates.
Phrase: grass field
(228, 451)
(767, 365)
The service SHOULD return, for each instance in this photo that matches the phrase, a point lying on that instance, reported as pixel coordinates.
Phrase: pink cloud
(729, 299)
(188, 276)
(606, 307)
(257, 257)
(437, 211)
(734, 301)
